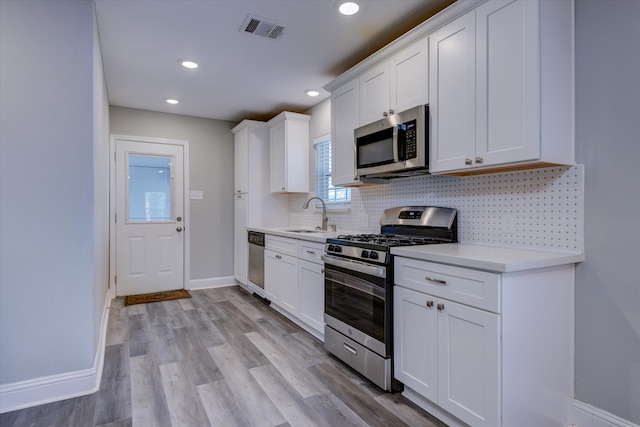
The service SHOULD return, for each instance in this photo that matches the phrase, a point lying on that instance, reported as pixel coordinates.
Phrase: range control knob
(338, 248)
(373, 255)
(331, 248)
(364, 254)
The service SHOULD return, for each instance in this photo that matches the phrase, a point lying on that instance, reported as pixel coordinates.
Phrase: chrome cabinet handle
(385, 114)
(440, 307)
(479, 159)
(467, 161)
(391, 112)
(436, 281)
(179, 229)
(311, 252)
(429, 303)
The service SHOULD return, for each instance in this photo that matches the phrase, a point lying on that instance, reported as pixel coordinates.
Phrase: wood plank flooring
(221, 358)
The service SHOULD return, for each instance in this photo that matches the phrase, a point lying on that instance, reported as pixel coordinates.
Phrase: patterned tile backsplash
(539, 208)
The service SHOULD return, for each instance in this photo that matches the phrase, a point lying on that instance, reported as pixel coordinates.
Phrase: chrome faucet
(325, 218)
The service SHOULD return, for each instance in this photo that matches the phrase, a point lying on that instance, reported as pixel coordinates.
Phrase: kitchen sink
(305, 231)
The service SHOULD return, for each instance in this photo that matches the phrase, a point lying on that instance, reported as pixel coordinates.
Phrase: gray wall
(53, 252)
(211, 170)
(608, 144)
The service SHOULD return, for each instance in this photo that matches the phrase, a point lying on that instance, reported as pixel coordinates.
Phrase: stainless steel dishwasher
(256, 262)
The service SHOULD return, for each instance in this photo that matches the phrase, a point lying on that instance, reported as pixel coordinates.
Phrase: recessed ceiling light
(348, 8)
(187, 63)
(172, 101)
(312, 92)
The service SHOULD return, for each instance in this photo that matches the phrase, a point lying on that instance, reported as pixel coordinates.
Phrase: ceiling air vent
(262, 27)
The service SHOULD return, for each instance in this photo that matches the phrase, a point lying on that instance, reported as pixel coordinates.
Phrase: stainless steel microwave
(395, 146)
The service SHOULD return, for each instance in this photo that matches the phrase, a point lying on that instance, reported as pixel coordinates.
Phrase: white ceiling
(240, 75)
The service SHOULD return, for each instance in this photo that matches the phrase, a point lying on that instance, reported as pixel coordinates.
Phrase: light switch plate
(197, 195)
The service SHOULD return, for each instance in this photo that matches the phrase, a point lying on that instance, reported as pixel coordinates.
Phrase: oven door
(357, 302)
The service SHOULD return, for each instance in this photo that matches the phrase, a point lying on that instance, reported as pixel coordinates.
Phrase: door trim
(112, 204)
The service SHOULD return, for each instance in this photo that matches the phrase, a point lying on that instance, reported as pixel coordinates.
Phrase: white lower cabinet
(294, 280)
(311, 277)
(485, 348)
(448, 353)
(281, 279)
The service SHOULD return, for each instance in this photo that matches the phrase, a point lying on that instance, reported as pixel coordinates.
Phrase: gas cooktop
(403, 226)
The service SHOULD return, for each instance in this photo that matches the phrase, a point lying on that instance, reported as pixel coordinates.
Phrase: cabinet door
(507, 82)
(374, 93)
(469, 363)
(272, 282)
(415, 341)
(408, 77)
(452, 95)
(241, 246)
(278, 155)
(345, 117)
(289, 293)
(241, 162)
(311, 286)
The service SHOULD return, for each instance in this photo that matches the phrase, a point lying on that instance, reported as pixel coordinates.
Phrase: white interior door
(149, 221)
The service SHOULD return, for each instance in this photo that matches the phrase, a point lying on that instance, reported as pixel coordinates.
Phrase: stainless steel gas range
(359, 287)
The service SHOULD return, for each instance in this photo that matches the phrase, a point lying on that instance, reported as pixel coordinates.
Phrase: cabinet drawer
(471, 287)
(310, 251)
(283, 245)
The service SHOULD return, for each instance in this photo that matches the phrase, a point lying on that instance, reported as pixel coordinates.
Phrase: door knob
(179, 229)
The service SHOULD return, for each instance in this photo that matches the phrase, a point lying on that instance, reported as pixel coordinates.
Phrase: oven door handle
(361, 267)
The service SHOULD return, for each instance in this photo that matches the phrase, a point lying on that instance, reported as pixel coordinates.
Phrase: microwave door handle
(395, 144)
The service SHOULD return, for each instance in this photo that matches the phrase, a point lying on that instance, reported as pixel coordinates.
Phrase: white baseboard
(53, 388)
(212, 282)
(585, 415)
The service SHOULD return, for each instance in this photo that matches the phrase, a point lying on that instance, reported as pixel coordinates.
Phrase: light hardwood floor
(221, 358)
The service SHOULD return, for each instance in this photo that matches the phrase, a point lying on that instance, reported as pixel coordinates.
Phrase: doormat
(156, 297)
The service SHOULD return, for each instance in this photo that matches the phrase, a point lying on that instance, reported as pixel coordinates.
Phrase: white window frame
(331, 204)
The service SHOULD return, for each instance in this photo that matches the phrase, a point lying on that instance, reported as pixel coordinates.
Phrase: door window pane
(150, 189)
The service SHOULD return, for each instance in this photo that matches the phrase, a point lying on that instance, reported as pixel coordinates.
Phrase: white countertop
(491, 258)
(314, 236)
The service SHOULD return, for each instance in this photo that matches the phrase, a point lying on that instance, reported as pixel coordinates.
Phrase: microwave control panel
(410, 139)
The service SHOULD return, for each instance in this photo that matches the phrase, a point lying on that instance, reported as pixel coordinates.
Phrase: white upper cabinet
(241, 161)
(289, 140)
(501, 88)
(408, 77)
(396, 84)
(507, 76)
(374, 93)
(452, 94)
(345, 117)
